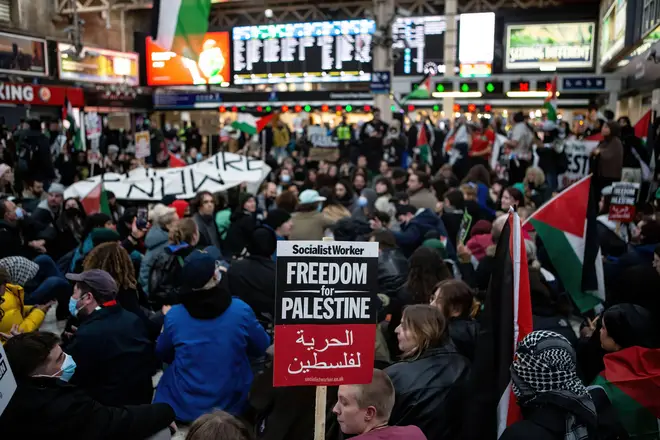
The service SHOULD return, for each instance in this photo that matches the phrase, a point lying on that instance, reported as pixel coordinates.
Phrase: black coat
(252, 279)
(429, 392)
(239, 232)
(392, 271)
(464, 333)
(114, 356)
(45, 408)
(12, 242)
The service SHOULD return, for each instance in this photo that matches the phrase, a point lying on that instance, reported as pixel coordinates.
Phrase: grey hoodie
(155, 242)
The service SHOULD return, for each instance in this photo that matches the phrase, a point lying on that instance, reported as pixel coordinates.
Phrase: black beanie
(263, 242)
(276, 218)
(630, 325)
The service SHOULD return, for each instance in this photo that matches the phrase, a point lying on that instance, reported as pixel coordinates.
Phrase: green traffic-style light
(436, 108)
(465, 88)
(440, 88)
(349, 108)
(393, 108)
(490, 88)
(268, 109)
(308, 108)
(243, 108)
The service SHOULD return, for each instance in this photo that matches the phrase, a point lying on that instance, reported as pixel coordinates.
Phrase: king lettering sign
(26, 94)
(326, 313)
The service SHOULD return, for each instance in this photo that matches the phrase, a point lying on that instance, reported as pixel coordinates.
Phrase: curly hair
(426, 270)
(114, 259)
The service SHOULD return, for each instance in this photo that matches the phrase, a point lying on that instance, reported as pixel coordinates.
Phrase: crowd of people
(170, 323)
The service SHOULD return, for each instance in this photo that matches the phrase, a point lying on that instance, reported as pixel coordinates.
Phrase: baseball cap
(198, 268)
(310, 196)
(99, 281)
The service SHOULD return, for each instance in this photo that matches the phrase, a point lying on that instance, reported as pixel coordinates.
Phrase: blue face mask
(362, 201)
(20, 213)
(73, 306)
(319, 208)
(68, 368)
(200, 156)
(285, 178)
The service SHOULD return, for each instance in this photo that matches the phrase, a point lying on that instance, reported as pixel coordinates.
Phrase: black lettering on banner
(196, 187)
(229, 163)
(149, 193)
(250, 161)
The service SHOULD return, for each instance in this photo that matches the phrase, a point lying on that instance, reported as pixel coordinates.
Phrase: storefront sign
(215, 174)
(21, 55)
(557, 45)
(167, 68)
(326, 313)
(17, 93)
(623, 201)
(99, 66)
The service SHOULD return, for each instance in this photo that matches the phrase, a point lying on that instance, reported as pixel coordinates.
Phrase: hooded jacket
(155, 242)
(13, 311)
(207, 355)
(240, 231)
(412, 234)
(429, 392)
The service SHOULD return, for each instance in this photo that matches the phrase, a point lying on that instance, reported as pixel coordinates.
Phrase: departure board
(422, 42)
(328, 51)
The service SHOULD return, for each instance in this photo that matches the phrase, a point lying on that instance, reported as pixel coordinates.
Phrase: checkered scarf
(545, 364)
(20, 269)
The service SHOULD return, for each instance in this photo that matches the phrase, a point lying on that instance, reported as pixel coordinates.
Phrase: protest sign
(7, 381)
(142, 144)
(326, 313)
(577, 153)
(324, 146)
(217, 173)
(464, 228)
(92, 125)
(623, 201)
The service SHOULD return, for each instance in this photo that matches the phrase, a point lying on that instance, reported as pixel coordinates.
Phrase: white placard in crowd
(7, 381)
(93, 125)
(217, 173)
(319, 137)
(142, 144)
(577, 153)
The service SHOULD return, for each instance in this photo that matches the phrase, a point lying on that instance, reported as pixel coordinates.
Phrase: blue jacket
(209, 366)
(412, 234)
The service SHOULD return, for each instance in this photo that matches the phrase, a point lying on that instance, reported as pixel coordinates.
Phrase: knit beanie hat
(180, 206)
(276, 218)
(437, 244)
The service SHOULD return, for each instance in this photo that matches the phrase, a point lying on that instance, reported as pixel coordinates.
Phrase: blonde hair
(537, 175)
(469, 191)
(183, 231)
(427, 324)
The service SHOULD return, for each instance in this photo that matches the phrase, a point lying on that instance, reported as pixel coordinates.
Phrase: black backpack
(165, 279)
(27, 155)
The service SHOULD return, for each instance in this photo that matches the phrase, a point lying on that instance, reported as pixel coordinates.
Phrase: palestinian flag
(566, 224)
(423, 145)
(251, 125)
(182, 25)
(422, 90)
(507, 320)
(631, 380)
(67, 115)
(550, 103)
(96, 201)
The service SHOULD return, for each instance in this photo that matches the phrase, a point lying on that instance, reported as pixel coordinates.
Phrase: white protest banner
(92, 125)
(217, 173)
(7, 381)
(142, 144)
(578, 153)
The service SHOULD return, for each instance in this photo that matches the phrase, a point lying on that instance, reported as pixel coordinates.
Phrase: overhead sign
(381, 83)
(7, 381)
(623, 201)
(326, 313)
(476, 44)
(166, 68)
(100, 66)
(326, 51)
(17, 93)
(613, 31)
(577, 83)
(215, 174)
(555, 45)
(21, 55)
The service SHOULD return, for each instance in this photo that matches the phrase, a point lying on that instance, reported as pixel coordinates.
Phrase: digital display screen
(328, 51)
(98, 65)
(422, 42)
(167, 68)
(23, 55)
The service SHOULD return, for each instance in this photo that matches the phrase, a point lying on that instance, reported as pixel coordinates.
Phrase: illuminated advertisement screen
(327, 51)
(550, 45)
(166, 68)
(476, 44)
(613, 31)
(98, 65)
(23, 55)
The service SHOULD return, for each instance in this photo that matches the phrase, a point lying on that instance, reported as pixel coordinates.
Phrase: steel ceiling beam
(64, 7)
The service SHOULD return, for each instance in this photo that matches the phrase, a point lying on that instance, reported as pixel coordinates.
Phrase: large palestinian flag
(182, 25)
(507, 320)
(631, 380)
(566, 225)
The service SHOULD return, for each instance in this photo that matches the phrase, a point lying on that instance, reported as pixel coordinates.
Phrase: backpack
(165, 279)
(27, 155)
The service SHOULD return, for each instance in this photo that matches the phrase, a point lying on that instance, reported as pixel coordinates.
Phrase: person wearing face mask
(42, 370)
(12, 237)
(106, 334)
(70, 226)
(365, 205)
